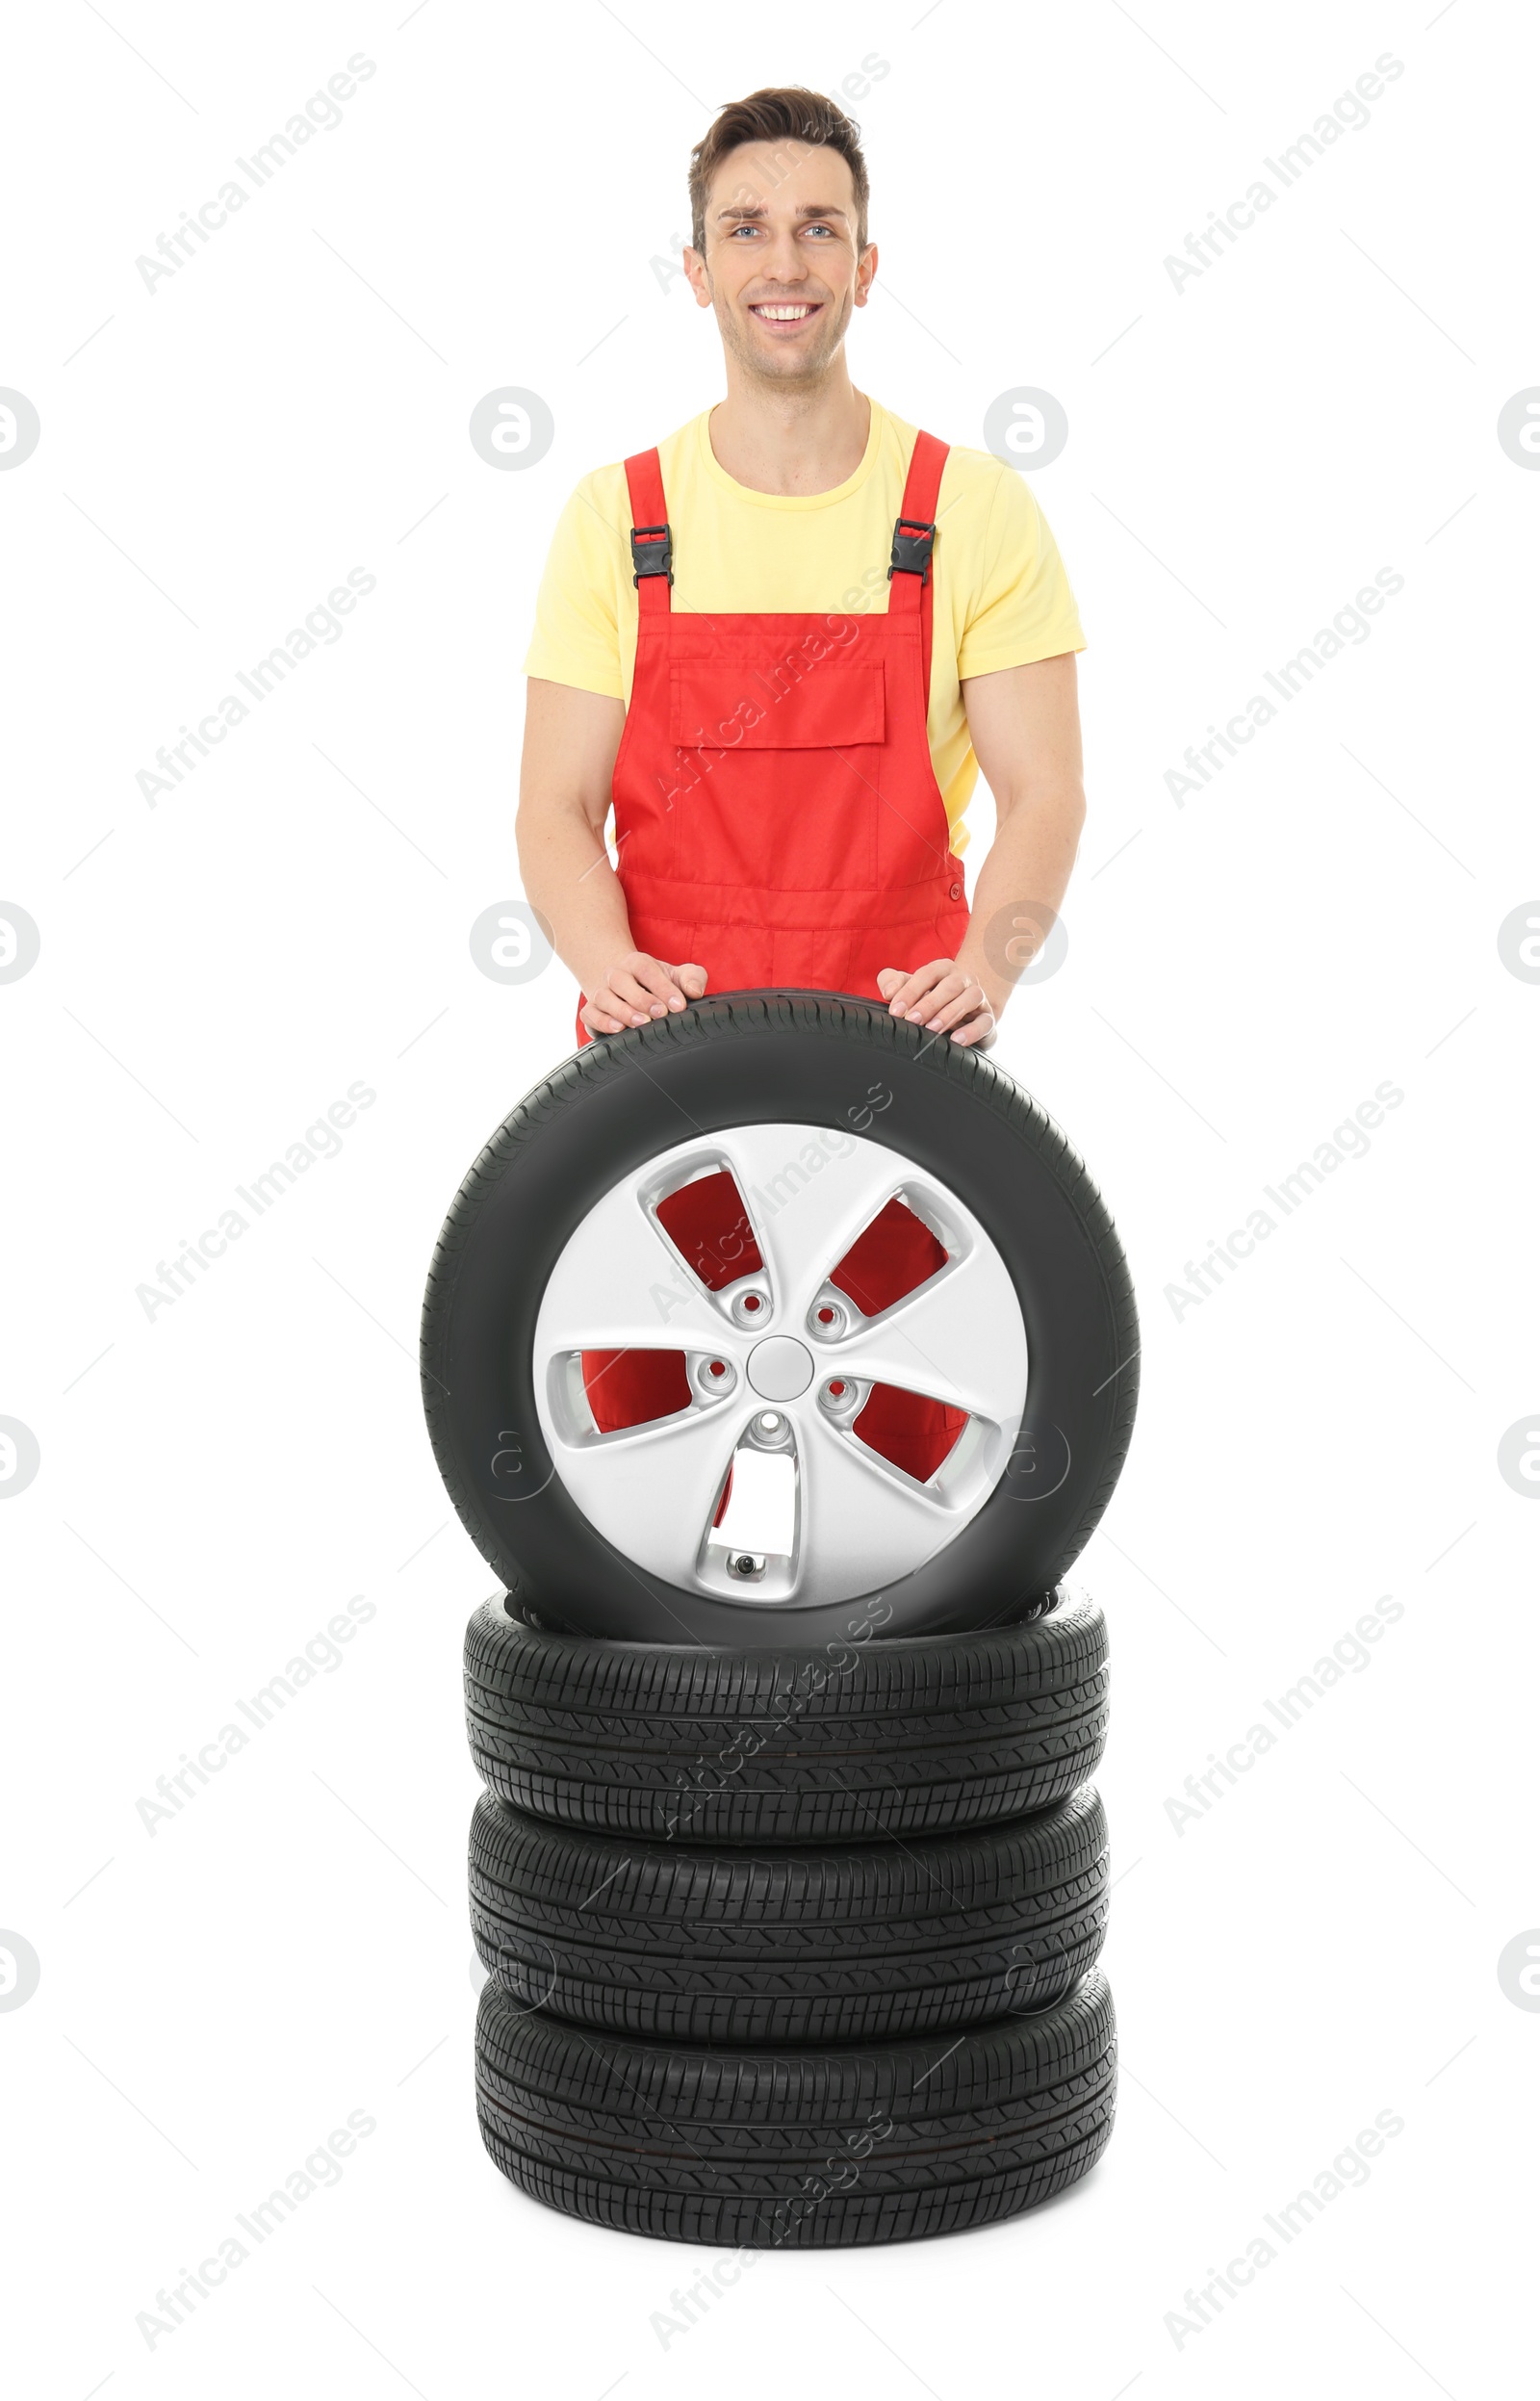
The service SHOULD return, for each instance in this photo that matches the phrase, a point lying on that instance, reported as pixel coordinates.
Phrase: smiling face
(782, 268)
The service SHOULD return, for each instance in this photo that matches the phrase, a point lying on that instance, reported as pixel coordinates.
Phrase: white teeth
(761, 309)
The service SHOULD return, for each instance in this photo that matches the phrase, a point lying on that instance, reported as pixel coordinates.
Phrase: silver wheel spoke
(660, 1484)
(958, 1339)
(624, 1285)
(805, 1217)
(861, 1523)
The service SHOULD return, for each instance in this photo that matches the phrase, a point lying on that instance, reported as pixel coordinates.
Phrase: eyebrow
(810, 208)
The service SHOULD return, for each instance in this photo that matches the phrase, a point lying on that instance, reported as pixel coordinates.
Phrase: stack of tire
(790, 1907)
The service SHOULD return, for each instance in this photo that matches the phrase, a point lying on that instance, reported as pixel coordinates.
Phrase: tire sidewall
(853, 1069)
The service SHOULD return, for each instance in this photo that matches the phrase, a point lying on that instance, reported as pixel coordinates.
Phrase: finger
(941, 995)
(888, 980)
(691, 980)
(907, 990)
(599, 1021)
(656, 982)
(625, 1011)
(952, 1008)
(914, 988)
(976, 1033)
(626, 994)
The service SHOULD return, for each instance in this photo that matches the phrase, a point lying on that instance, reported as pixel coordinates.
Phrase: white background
(1244, 456)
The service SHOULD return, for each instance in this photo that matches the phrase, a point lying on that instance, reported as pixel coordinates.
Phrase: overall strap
(914, 536)
(652, 543)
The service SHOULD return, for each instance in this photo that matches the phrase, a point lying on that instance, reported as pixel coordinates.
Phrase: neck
(790, 442)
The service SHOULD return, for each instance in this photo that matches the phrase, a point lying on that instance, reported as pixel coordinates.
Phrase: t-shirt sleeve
(577, 636)
(1023, 608)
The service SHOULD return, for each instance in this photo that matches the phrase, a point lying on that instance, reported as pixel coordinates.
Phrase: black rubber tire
(755, 1058)
(852, 2143)
(845, 1743)
(865, 1942)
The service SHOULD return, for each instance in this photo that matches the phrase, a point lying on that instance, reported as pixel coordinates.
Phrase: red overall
(777, 814)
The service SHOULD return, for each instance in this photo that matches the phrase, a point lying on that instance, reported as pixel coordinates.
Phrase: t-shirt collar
(715, 473)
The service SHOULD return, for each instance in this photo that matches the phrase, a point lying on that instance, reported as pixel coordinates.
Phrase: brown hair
(780, 112)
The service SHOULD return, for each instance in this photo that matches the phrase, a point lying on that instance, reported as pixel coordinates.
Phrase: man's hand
(638, 987)
(942, 997)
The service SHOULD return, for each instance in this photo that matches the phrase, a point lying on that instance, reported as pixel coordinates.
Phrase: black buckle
(912, 551)
(651, 556)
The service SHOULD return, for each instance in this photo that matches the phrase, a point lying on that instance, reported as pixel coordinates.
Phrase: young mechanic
(783, 644)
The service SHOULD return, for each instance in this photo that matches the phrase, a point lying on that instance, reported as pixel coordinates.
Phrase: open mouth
(785, 316)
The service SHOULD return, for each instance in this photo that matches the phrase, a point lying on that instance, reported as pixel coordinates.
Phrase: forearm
(571, 737)
(1021, 884)
(573, 887)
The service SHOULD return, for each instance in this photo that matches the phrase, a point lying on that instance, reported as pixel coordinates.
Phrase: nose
(780, 260)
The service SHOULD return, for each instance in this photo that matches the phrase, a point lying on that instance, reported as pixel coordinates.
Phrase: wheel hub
(779, 1368)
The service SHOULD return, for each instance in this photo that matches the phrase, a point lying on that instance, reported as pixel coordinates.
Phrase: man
(783, 645)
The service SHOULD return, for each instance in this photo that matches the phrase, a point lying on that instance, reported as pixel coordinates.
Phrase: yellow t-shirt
(1001, 596)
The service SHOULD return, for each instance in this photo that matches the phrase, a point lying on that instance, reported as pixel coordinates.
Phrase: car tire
(842, 1742)
(861, 1943)
(1031, 1305)
(759, 2149)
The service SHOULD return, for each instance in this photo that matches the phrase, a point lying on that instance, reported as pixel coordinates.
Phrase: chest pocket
(790, 703)
(785, 757)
